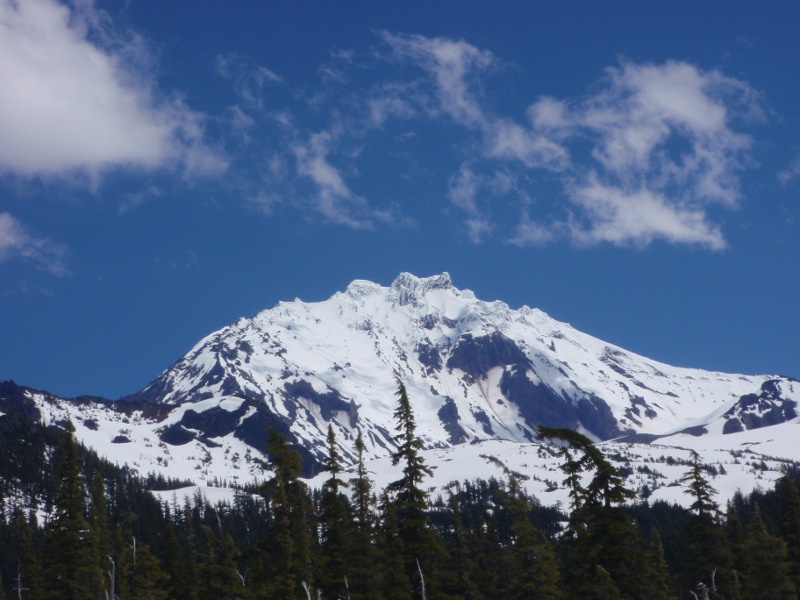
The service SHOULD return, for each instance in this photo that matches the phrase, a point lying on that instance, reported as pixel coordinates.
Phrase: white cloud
(452, 64)
(390, 101)
(530, 233)
(790, 173)
(17, 242)
(249, 79)
(641, 159)
(456, 68)
(663, 152)
(463, 191)
(334, 199)
(66, 103)
(637, 217)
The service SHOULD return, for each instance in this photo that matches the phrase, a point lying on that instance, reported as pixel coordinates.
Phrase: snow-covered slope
(476, 372)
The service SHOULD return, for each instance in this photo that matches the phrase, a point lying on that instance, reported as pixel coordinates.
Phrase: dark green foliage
(789, 521)
(287, 548)
(601, 548)
(487, 539)
(71, 571)
(363, 560)
(655, 573)
(707, 559)
(767, 569)
(180, 561)
(391, 551)
(700, 490)
(220, 574)
(422, 550)
(337, 529)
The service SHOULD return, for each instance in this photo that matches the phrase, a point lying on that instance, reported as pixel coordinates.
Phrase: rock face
(474, 371)
(770, 406)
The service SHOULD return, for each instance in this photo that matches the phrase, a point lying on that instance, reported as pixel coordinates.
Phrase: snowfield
(480, 377)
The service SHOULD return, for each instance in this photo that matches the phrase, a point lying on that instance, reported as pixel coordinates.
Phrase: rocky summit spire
(408, 288)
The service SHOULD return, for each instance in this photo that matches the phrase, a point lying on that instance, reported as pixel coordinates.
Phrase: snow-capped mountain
(476, 372)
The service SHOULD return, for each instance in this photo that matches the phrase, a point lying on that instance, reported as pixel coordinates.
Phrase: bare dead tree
(112, 575)
(308, 591)
(422, 581)
(19, 589)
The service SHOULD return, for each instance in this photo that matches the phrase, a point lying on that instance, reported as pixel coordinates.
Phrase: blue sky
(632, 168)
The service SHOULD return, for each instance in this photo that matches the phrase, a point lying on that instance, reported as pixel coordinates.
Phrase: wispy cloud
(663, 151)
(455, 69)
(464, 189)
(17, 242)
(791, 172)
(333, 197)
(662, 147)
(250, 80)
(77, 95)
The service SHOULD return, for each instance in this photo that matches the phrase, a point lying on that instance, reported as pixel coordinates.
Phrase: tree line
(105, 537)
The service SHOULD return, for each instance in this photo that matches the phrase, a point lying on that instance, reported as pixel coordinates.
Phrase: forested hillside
(76, 527)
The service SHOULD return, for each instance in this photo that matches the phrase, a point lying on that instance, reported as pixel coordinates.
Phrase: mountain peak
(408, 288)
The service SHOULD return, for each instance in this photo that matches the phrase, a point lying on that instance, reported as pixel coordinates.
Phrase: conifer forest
(75, 527)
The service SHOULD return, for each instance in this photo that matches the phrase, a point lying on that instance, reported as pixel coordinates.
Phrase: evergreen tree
(532, 569)
(29, 569)
(656, 571)
(767, 575)
(180, 561)
(600, 585)
(395, 582)
(364, 582)
(220, 571)
(461, 579)
(536, 573)
(409, 497)
(603, 538)
(423, 550)
(71, 571)
(336, 528)
(707, 558)
(287, 548)
(700, 489)
(100, 535)
(789, 511)
(362, 489)
(137, 572)
(737, 542)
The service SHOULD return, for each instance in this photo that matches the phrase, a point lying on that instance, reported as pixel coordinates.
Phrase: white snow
(359, 341)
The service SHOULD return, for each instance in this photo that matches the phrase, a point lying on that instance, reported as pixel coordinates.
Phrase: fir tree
(180, 561)
(395, 582)
(362, 489)
(600, 585)
(767, 575)
(656, 571)
(423, 549)
(460, 576)
(700, 489)
(71, 572)
(220, 571)
(602, 536)
(29, 569)
(410, 498)
(364, 582)
(287, 549)
(100, 535)
(336, 528)
(707, 559)
(789, 511)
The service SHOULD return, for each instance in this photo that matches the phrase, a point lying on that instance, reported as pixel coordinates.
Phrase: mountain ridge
(475, 371)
